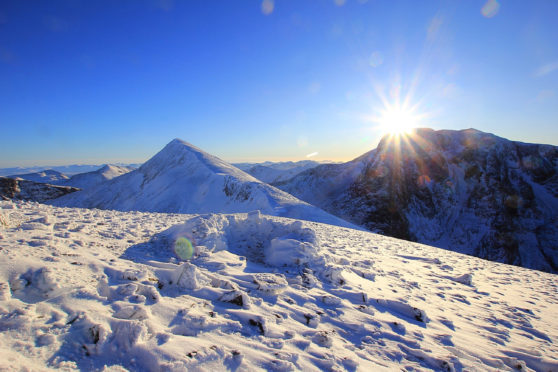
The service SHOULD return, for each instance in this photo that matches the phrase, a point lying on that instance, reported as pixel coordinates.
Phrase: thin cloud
(545, 95)
(434, 27)
(546, 69)
(312, 154)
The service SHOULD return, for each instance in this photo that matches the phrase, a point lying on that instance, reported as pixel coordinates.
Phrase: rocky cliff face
(19, 189)
(467, 191)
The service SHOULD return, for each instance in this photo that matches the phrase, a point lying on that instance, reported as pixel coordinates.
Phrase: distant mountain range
(269, 172)
(184, 179)
(466, 191)
(67, 170)
(81, 180)
(46, 176)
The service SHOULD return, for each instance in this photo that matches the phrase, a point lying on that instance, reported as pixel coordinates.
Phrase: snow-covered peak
(182, 178)
(183, 155)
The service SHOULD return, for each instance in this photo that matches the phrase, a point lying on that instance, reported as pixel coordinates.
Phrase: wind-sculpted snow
(466, 191)
(258, 238)
(183, 179)
(84, 289)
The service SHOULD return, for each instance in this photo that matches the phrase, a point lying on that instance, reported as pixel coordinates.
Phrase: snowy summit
(184, 179)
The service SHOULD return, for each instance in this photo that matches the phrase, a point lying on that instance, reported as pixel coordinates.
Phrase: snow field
(104, 290)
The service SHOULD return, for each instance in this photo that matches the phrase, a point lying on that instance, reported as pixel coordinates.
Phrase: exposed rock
(19, 189)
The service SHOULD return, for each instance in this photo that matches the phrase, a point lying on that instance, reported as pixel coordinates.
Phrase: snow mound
(258, 238)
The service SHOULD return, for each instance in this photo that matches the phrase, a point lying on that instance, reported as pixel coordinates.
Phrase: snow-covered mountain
(269, 172)
(46, 176)
(184, 179)
(91, 179)
(19, 189)
(95, 290)
(467, 191)
(281, 165)
(68, 170)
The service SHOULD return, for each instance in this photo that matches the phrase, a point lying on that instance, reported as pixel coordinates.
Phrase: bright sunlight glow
(397, 121)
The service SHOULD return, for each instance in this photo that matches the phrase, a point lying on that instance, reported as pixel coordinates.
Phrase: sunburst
(397, 121)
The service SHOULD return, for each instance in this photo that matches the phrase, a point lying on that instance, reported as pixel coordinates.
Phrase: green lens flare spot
(183, 248)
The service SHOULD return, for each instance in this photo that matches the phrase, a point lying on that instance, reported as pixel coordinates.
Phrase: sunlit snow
(92, 290)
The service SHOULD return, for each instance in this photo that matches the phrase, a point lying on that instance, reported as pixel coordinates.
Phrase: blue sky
(114, 81)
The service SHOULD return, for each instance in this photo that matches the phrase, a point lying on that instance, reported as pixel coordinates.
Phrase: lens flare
(490, 8)
(267, 7)
(183, 248)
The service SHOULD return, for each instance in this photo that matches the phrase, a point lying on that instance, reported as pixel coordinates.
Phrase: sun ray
(397, 120)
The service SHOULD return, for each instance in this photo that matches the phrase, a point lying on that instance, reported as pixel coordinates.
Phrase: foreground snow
(93, 290)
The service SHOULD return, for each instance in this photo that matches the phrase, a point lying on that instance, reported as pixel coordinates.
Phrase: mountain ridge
(468, 191)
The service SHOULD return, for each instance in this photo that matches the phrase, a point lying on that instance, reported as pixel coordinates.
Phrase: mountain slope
(276, 172)
(467, 191)
(91, 179)
(184, 179)
(95, 290)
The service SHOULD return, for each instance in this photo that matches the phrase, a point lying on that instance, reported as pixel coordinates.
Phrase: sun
(397, 121)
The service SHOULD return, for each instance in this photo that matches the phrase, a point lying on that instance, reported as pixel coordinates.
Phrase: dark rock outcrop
(18, 189)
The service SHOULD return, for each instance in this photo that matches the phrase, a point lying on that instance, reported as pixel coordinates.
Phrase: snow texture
(101, 290)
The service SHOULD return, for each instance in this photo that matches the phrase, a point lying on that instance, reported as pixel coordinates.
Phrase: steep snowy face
(184, 179)
(92, 179)
(467, 191)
